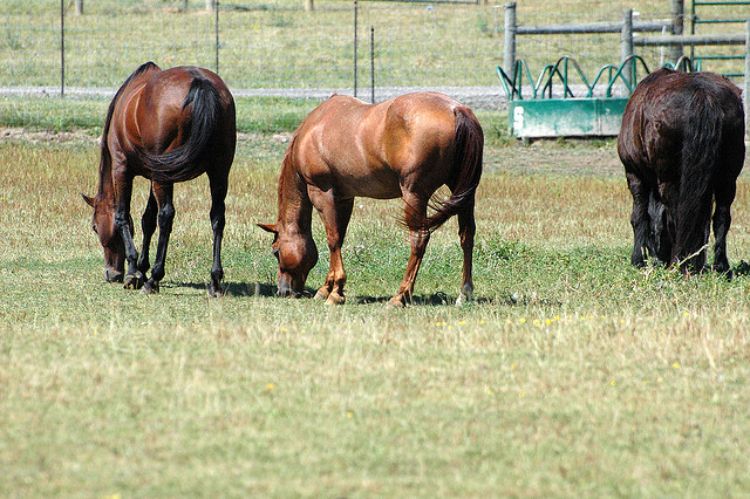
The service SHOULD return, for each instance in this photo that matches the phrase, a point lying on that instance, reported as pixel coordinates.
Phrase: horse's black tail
(181, 163)
(700, 151)
(469, 152)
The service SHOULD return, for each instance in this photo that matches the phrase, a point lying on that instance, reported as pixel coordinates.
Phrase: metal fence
(278, 44)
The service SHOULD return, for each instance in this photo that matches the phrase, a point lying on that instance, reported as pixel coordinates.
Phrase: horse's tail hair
(181, 163)
(469, 153)
(700, 151)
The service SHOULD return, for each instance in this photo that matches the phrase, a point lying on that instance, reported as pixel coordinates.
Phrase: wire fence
(278, 44)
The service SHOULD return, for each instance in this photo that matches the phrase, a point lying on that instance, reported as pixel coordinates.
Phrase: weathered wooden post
(62, 48)
(372, 64)
(746, 93)
(356, 42)
(210, 5)
(626, 46)
(309, 5)
(216, 32)
(509, 46)
(79, 7)
(678, 22)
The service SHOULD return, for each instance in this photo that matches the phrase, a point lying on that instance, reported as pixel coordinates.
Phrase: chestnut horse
(167, 126)
(405, 147)
(682, 144)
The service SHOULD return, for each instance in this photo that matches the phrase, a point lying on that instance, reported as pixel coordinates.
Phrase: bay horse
(167, 126)
(682, 145)
(406, 147)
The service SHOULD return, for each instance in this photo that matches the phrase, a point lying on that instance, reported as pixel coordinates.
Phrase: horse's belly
(381, 184)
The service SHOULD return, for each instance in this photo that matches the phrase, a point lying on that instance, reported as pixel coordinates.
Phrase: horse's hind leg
(415, 214)
(148, 226)
(335, 214)
(165, 217)
(722, 220)
(639, 219)
(466, 230)
(219, 187)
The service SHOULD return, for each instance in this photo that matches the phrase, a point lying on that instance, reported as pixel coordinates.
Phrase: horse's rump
(675, 131)
(170, 140)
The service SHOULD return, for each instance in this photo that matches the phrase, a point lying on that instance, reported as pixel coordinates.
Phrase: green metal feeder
(541, 115)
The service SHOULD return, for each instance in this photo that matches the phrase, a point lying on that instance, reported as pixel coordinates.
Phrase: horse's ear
(268, 228)
(89, 201)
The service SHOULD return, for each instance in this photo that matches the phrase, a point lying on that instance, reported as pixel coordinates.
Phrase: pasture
(572, 373)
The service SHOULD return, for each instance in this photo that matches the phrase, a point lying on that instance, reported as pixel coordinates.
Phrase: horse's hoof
(133, 281)
(322, 294)
(215, 291)
(465, 296)
(150, 288)
(335, 299)
(396, 302)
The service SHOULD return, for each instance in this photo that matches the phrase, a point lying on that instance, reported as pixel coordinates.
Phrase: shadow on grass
(741, 269)
(434, 300)
(231, 288)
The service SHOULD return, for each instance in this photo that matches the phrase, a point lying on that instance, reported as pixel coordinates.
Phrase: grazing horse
(405, 147)
(167, 126)
(682, 145)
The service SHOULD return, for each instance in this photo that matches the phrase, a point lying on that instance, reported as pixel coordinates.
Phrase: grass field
(571, 374)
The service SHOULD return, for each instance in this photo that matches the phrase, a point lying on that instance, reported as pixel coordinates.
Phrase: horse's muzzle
(111, 275)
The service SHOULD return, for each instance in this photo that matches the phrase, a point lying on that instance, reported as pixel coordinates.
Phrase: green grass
(572, 373)
(264, 115)
(254, 115)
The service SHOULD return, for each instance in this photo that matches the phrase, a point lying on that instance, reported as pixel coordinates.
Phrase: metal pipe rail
(606, 27)
(662, 41)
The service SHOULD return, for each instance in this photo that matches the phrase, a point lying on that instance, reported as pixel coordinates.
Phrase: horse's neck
(295, 208)
(106, 188)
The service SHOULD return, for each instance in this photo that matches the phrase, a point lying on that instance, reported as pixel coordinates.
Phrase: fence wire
(277, 44)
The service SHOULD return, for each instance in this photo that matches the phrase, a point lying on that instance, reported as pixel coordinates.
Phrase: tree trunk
(211, 5)
(79, 7)
(309, 5)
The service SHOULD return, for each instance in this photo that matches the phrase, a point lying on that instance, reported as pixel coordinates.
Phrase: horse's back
(362, 148)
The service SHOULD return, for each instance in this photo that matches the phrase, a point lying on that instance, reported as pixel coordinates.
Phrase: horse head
(297, 255)
(103, 223)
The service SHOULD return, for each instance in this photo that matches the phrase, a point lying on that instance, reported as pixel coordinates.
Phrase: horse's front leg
(165, 216)
(335, 214)
(415, 215)
(219, 187)
(123, 190)
(148, 226)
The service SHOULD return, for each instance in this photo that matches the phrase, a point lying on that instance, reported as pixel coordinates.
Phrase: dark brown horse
(682, 144)
(168, 126)
(405, 147)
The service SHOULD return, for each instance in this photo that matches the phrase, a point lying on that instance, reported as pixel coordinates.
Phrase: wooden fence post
(678, 22)
(626, 46)
(746, 93)
(509, 46)
(79, 7)
(210, 5)
(309, 5)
